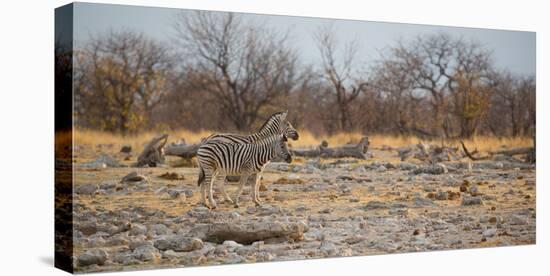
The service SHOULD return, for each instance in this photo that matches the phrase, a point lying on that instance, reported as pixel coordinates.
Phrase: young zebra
(220, 158)
(276, 124)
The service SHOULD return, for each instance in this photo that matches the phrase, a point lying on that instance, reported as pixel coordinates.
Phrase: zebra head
(275, 125)
(291, 132)
(282, 149)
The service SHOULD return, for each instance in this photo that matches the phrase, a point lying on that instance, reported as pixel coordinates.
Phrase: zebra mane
(269, 121)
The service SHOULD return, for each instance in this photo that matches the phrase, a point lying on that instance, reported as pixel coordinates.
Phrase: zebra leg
(210, 183)
(242, 182)
(222, 188)
(204, 186)
(256, 190)
(257, 186)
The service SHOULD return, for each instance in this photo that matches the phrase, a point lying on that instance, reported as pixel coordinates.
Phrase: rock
(374, 205)
(133, 177)
(88, 228)
(516, 220)
(86, 189)
(407, 166)
(328, 248)
(126, 149)
(473, 190)
(249, 232)
(159, 229)
(176, 194)
(172, 176)
(346, 190)
(96, 242)
(280, 197)
(117, 240)
(467, 201)
(231, 245)
(125, 258)
(423, 202)
(107, 186)
(292, 179)
(178, 243)
(139, 241)
(102, 162)
(354, 199)
(146, 252)
(431, 169)
(250, 210)
(138, 229)
(92, 257)
(267, 210)
(325, 211)
(345, 178)
(354, 239)
(234, 215)
(489, 233)
(188, 192)
(171, 254)
(381, 168)
(441, 195)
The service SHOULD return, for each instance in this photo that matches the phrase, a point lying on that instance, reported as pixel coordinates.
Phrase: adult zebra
(275, 124)
(216, 157)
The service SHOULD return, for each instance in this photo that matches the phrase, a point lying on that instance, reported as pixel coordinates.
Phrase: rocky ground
(312, 209)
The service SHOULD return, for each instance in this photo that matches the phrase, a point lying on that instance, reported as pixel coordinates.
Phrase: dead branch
(471, 156)
(354, 150)
(182, 150)
(153, 153)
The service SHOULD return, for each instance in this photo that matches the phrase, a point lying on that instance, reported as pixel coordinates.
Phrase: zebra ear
(283, 115)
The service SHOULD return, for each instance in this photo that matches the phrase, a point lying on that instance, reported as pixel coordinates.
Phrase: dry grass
(307, 139)
(137, 142)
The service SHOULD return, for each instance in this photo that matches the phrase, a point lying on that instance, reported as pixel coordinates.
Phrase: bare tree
(513, 105)
(120, 80)
(435, 63)
(340, 71)
(243, 65)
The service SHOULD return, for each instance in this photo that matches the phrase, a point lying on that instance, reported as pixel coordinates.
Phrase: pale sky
(512, 50)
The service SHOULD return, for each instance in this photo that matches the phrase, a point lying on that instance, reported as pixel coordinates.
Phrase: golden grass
(307, 139)
(137, 142)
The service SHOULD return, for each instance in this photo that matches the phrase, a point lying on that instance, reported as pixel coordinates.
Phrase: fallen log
(428, 153)
(249, 232)
(358, 150)
(182, 150)
(153, 153)
(306, 152)
(528, 151)
(514, 151)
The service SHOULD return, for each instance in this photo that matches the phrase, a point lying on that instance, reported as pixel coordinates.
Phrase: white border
(26, 122)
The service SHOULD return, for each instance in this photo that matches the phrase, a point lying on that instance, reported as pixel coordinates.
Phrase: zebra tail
(201, 177)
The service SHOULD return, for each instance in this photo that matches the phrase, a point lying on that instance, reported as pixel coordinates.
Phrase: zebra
(275, 124)
(223, 158)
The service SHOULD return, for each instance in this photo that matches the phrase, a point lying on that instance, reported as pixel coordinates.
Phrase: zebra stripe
(276, 124)
(219, 157)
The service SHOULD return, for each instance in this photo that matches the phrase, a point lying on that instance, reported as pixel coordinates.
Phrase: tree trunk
(153, 153)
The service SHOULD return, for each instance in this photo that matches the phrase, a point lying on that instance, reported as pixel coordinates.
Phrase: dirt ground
(347, 207)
